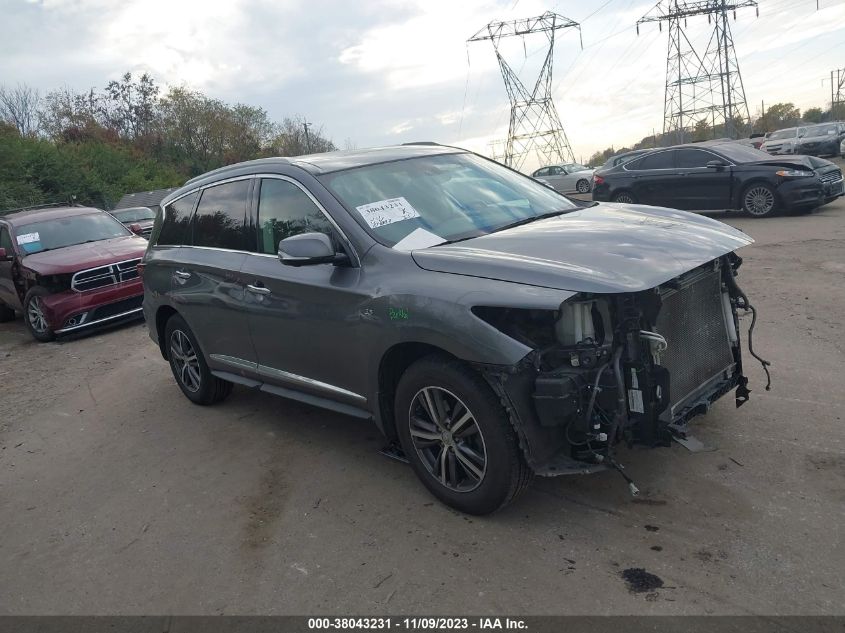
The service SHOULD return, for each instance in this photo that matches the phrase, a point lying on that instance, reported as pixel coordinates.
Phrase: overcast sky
(380, 72)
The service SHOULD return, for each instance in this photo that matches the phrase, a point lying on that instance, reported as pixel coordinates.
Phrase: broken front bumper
(569, 417)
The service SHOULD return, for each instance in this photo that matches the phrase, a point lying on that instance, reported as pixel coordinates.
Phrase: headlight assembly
(794, 173)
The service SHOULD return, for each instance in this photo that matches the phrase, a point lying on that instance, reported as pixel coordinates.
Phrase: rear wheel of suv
(625, 197)
(34, 315)
(6, 313)
(457, 436)
(759, 200)
(188, 364)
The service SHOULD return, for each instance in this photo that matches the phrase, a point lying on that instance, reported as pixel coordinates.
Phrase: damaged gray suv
(492, 328)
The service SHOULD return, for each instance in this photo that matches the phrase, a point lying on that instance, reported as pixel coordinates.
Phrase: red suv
(68, 268)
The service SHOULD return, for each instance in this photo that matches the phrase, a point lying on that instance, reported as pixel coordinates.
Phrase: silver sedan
(566, 178)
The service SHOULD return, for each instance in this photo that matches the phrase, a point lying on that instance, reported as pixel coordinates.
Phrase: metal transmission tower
(535, 126)
(837, 92)
(704, 87)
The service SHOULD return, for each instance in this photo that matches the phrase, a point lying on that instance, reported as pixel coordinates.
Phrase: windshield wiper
(542, 216)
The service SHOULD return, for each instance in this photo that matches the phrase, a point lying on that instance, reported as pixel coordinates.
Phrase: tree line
(776, 117)
(93, 147)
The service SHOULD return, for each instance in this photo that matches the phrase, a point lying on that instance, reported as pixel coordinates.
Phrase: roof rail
(46, 205)
(422, 143)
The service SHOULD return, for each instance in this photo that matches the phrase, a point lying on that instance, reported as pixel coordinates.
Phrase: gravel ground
(118, 496)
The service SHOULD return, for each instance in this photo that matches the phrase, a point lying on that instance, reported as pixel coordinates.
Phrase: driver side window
(285, 210)
(6, 241)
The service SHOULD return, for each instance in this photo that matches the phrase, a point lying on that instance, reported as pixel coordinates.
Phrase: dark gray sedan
(492, 328)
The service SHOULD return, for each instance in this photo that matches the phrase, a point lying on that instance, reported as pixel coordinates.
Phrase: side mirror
(716, 164)
(308, 249)
(3, 256)
(135, 228)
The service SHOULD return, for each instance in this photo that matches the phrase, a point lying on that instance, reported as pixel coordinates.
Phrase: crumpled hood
(606, 248)
(72, 259)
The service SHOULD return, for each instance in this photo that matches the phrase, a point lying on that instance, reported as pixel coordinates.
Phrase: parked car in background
(68, 268)
(842, 148)
(566, 178)
(139, 220)
(782, 141)
(757, 139)
(717, 175)
(624, 157)
(821, 140)
(493, 327)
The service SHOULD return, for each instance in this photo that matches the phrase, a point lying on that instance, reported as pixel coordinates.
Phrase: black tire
(582, 186)
(624, 197)
(501, 473)
(187, 362)
(6, 313)
(759, 200)
(34, 317)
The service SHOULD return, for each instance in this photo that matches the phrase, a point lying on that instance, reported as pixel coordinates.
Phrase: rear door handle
(259, 290)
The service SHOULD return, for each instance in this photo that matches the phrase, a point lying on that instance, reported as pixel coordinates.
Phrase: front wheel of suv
(188, 364)
(35, 316)
(457, 436)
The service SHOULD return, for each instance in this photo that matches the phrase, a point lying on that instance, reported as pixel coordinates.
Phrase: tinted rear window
(170, 228)
(219, 218)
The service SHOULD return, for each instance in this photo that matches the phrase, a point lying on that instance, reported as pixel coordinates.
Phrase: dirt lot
(119, 496)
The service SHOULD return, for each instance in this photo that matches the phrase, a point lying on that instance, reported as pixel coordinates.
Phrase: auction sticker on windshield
(384, 212)
(28, 238)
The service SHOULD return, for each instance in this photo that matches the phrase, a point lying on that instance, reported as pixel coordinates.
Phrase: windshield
(739, 153)
(441, 198)
(822, 130)
(781, 134)
(134, 215)
(62, 232)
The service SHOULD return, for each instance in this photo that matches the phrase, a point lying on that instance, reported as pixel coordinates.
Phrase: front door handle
(259, 290)
(181, 274)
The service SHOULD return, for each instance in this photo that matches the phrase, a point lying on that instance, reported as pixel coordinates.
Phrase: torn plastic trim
(544, 448)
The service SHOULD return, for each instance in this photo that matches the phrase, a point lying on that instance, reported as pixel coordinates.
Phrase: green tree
(96, 146)
(779, 116)
(814, 115)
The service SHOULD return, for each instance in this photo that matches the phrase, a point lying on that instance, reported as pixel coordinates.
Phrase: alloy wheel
(583, 186)
(447, 439)
(624, 198)
(185, 361)
(35, 314)
(759, 200)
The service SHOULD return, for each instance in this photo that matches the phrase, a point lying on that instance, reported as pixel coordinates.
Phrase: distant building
(144, 198)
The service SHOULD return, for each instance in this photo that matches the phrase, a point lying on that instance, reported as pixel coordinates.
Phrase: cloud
(387, 71)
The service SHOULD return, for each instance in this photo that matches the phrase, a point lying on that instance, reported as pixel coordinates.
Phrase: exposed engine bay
(635, 367)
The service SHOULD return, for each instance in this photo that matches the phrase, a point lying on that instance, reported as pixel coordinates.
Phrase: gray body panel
(606, 248)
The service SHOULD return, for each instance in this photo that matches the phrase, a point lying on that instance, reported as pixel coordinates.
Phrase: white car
(566, 178)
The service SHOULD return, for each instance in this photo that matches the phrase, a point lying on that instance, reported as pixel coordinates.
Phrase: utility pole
(535, 128)
(707, 85)
(306, 125)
